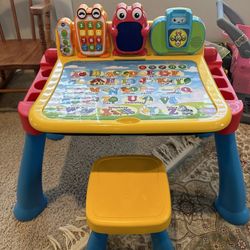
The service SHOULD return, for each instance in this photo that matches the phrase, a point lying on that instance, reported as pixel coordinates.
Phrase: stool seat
(128, 195)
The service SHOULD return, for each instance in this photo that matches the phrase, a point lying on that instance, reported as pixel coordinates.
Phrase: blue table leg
(97, 241)
(30, 198)
(231, 201)
(55, 137)
(161, 241)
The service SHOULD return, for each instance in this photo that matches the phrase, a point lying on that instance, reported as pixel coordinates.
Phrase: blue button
(98, 47)
(84, 47)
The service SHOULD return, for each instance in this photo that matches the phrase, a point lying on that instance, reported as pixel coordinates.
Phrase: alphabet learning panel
(147, 90)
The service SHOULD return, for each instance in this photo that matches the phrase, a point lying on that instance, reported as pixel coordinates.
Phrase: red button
(98, 39)
(91, 39)
(82, 73)
(83, 39)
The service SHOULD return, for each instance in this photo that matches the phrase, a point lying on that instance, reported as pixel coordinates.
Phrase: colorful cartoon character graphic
(97, 81)
(129, 29)
(182, 81)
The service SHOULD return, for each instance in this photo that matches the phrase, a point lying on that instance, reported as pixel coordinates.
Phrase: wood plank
(13, 90)
(15, 19)
(21, 54)
(40, 9)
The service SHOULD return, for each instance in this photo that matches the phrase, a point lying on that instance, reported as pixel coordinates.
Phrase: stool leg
(97, 241)
(161, 241)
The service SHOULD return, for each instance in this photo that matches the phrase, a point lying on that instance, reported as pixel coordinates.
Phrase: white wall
(206, 9)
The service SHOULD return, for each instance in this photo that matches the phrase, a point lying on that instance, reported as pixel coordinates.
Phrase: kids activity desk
(146, 94)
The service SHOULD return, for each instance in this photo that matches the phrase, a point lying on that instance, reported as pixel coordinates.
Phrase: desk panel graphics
(152, 90)
(167, 90)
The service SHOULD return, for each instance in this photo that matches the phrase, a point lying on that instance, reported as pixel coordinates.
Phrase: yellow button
(82, 32)
(98, 32)
(90, 32)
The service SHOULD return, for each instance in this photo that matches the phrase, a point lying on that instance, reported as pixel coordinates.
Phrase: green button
(65, 42)
(92, 47)
(90, 25)
(172, 66)
(81, 25)
(66, 50)
(64, 33)
(99, 25)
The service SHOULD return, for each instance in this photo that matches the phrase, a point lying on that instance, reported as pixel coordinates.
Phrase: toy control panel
(90, 26)
(178, 32)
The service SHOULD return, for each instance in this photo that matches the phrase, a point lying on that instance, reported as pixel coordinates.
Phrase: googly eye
(137, 13)
(96, 13)
(81, 13)
(121, 14)
(174, 20)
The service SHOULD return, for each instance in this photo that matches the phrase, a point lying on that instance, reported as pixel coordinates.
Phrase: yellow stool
(128, 195)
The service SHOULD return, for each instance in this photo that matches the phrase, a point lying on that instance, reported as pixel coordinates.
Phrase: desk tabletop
(160, 95)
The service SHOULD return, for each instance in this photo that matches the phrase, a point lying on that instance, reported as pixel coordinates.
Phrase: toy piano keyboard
(100, 85)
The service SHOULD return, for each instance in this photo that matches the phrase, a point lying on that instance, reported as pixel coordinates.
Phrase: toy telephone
(178, 32)
(91, 30)
(64, 32)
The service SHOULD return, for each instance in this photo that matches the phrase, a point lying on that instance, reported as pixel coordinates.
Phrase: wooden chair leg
(41, 32)
(5, 78)
(47, 30)
(3, 75)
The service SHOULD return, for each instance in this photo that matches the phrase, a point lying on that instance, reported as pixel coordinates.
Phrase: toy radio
(65, 36)
(178, 32)
(91, 29)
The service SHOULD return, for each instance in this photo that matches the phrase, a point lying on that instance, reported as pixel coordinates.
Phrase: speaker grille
(196, 42)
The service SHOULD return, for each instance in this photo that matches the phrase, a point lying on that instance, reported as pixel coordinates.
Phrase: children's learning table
(148, 94)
